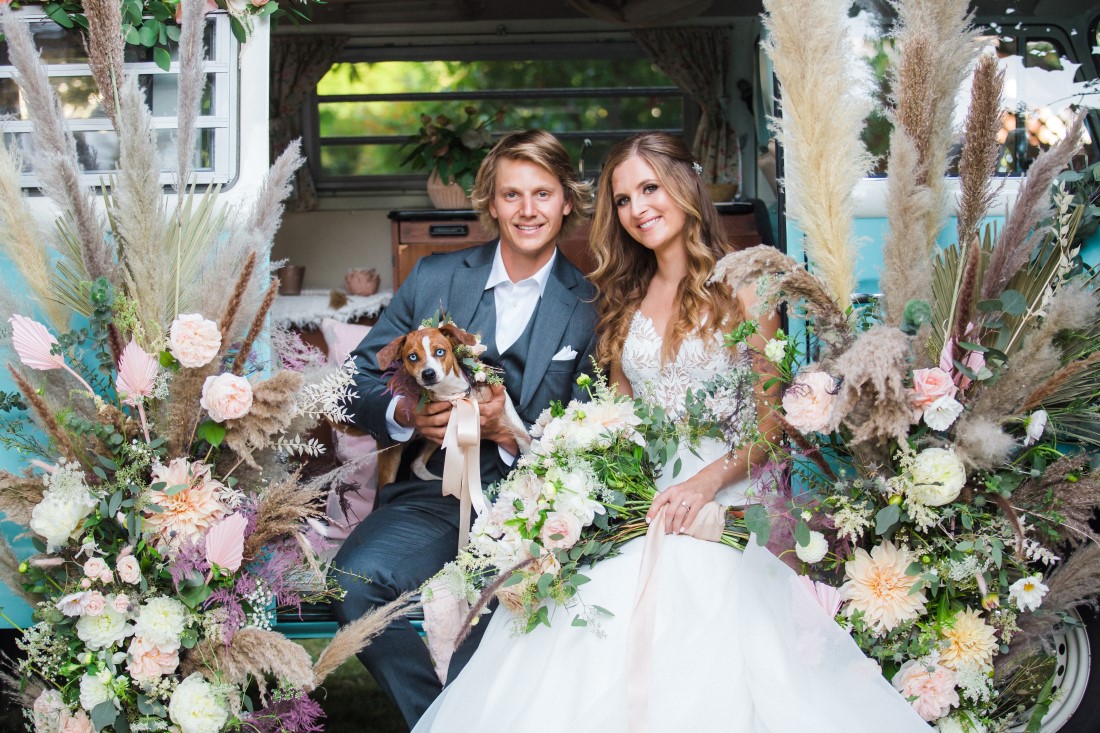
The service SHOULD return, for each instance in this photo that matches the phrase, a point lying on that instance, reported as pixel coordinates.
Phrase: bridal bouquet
(156, 438)
(581, 492)
(939, 438)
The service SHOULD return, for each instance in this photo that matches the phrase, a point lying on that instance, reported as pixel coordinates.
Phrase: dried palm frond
(350, 639)
(873, 400)
(786, 281)
(23, 242)
(980, 151)
(191, 83)
(1032, 204)
(1049, 389)
(19, 495)
(104, 43)
(823, 117)
(949, 280)
(282, 511)
(273, 409)
(55, 154)
(981, 443)
(1067, 489)
(251, 655)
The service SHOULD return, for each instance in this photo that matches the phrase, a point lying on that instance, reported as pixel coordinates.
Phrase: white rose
(813, 551)
(226, 397)
(129, 571)
(195, 708)
(104, 630)
(775, 350)
(938, 477)
(1036, 424)
(161, 621)
(55, 519)
(193, 340)
(941, 414)
(93, 691)
(562, 525)
(579, 506)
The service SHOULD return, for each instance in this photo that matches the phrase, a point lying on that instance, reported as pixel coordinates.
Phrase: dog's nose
(428, 376)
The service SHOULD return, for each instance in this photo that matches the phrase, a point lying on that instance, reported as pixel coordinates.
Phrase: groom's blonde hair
(624, 268)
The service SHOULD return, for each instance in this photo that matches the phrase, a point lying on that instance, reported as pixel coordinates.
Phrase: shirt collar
(499, 275)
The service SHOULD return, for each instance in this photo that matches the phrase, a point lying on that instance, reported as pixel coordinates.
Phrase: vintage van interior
(589, 79)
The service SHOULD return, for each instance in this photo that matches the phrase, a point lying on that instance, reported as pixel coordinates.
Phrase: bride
(736, 642)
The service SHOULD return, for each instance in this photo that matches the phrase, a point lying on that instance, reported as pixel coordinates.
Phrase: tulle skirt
(738, 644)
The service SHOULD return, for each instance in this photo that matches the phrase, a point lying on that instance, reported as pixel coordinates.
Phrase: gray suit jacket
(455, 281)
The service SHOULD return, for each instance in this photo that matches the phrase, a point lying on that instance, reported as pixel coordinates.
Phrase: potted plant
(452, 151)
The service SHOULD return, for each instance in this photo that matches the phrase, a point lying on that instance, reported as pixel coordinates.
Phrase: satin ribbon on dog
(709, 524)
(462, 463)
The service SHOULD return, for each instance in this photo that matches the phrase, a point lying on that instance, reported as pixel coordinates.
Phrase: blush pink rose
(560, 523)
(95, 567)
(933, 692)
(85, 583)
(93, 603)
(148, 661)
(79, 722)
(193, 340)
(121, 603)
(226, 397)
(808, 402)
(929, 385)
(49, 712)
(129, 571)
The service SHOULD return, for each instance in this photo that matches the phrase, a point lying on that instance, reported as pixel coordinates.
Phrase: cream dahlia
(878, 585)
(189, 512)
(971, 641)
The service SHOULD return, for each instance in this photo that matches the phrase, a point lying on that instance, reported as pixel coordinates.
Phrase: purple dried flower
(190, 561)
(299, 714)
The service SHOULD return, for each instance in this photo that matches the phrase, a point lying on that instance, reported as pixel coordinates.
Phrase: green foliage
(453, 149)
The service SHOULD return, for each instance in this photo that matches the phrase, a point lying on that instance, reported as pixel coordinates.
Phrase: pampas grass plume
(352, 638)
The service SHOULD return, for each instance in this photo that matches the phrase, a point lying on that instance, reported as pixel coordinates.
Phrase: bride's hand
(683, 503)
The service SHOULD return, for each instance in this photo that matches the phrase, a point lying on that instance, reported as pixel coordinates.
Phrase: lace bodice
(697, 361)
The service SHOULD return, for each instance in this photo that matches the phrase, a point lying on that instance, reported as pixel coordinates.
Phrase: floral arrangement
(938, 439)
(452, 150)
(159, 484)
(581, 492)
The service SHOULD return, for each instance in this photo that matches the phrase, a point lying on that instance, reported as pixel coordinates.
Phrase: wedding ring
(685, 505)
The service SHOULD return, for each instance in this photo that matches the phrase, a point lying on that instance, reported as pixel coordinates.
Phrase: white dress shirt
(518, 301)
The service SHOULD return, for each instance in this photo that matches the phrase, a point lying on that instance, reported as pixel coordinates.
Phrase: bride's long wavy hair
(624, 268)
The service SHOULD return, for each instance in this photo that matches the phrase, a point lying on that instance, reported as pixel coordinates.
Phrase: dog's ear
(388, 353)
(457, 335)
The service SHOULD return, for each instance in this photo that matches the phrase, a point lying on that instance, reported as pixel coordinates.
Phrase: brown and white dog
(424, 365)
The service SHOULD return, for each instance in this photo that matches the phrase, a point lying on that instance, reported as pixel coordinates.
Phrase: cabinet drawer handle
(448, 230)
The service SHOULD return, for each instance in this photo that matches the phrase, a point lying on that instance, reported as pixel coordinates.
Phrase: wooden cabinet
(415, 234)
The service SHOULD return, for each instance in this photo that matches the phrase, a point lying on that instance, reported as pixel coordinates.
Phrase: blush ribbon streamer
(462, 463)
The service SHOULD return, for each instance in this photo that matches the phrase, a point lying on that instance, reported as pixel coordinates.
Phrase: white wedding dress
(739, 644)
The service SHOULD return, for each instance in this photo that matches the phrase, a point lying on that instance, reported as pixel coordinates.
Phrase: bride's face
(646, 210)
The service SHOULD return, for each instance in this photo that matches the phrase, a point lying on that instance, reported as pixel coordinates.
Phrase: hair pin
(697, 168)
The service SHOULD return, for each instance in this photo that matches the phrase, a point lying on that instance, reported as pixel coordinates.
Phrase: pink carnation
(928, 386)
(148, 661)
(193, 340)
(226, 397)
(934, 691)
(808, 402)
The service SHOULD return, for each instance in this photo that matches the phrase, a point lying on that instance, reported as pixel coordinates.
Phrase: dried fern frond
(46, 418)
(19, 495)
(1067, 489)
(980, 151)
(251, 655)
(273, 409)
(350, 639)
(823, 117)
(282, 511)
(257, 326)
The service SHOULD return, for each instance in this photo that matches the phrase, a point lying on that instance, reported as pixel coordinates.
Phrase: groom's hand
(492, 423)
(430, 420)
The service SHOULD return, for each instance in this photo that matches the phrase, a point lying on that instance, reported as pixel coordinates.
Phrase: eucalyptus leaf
(886, 518)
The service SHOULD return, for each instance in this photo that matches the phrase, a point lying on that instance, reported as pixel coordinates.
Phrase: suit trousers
(407, 539)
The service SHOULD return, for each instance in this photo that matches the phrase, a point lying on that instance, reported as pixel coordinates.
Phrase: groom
(534, 312)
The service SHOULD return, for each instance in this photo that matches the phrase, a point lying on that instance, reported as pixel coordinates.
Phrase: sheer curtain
(697, 59)
(297, 64)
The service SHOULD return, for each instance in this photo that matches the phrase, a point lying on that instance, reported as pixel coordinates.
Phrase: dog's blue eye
(412, 357)
(440, 352)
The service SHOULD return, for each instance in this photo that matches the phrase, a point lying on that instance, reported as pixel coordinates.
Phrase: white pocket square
(565, 354)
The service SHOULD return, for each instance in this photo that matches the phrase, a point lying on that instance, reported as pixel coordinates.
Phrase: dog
(439, 364)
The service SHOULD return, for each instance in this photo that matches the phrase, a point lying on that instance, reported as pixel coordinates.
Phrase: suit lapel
(468, 284)
(551, 320)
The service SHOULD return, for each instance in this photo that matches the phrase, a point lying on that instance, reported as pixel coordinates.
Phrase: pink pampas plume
(225, 543)
(137, 372)
(827, 596)
(33, 343)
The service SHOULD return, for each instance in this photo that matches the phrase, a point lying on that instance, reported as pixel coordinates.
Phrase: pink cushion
(342, 338)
